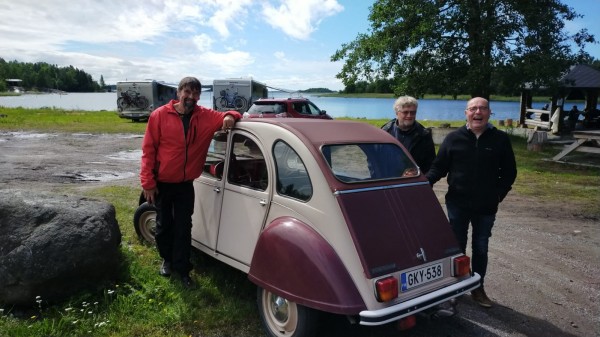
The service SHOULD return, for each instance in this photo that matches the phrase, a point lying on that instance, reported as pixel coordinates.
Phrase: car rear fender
(293, 261)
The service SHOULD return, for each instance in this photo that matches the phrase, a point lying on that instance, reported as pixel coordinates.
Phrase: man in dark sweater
(415, 137)
(481, 168)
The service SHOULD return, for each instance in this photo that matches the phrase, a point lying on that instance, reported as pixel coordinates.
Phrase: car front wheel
(281, 317)
(144, 221)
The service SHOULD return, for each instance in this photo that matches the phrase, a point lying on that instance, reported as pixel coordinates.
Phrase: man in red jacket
(174, 150)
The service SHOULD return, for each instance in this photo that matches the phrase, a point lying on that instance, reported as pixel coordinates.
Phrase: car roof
(315, 133)
(319, 132)
(279, 100)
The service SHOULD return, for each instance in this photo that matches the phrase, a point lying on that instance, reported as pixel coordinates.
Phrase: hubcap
(279, 308)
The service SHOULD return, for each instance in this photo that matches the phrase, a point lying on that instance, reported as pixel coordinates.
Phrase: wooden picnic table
(581, 137)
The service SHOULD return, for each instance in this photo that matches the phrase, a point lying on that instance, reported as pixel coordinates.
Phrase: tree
(459, 46)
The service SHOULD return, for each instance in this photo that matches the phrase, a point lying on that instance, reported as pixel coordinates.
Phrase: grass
(142, 303)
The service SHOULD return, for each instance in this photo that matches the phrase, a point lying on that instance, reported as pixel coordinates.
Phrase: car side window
(292, 177)
(215, 158)
(313, 110)
(247, 165)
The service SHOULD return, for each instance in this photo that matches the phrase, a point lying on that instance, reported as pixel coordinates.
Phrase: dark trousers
(175, 205)
(482, 231)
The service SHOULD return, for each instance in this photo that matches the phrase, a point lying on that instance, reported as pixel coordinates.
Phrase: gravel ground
(543, 274)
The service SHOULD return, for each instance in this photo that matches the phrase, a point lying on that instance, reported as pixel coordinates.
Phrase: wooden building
(582, 82)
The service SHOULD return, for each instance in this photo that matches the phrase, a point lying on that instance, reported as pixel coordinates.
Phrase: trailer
(137, 99)
(237, 93)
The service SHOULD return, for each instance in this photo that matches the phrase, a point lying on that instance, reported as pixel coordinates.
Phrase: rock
(54, 246)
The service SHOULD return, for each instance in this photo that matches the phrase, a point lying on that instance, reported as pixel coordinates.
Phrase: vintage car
(329, 216)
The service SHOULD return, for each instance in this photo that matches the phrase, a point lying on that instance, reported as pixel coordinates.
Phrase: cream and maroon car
(327, 216)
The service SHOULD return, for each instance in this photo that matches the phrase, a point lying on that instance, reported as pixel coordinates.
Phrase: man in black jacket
(415, 137)
(481, 168)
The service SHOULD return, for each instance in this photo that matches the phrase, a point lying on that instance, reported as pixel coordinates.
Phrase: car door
(246, 198)
(209, 194)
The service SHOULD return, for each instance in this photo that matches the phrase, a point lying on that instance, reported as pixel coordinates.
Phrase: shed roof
(581, 76)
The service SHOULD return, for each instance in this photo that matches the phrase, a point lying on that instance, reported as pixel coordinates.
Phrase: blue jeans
(482, 231)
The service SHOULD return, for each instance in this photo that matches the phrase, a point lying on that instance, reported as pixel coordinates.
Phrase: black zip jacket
(480, 171)
(418, 141)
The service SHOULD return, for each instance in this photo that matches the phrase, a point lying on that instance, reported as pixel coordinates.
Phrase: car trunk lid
(397, 227)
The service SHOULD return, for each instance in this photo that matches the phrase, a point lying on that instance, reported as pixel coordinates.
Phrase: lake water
(370, 108)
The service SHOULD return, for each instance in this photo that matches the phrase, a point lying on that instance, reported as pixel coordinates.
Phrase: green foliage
(462, 47)
(50, 119)
(316, 90)
(42, 76)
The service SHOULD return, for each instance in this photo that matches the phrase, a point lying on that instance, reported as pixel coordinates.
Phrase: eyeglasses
(480, 108)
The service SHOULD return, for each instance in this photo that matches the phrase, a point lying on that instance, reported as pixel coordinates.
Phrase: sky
(284, 43)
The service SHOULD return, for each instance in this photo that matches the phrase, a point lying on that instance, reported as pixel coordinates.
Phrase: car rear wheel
(281, 317)
(144, 221)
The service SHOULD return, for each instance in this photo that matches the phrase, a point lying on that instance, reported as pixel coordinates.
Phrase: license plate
(418, 277)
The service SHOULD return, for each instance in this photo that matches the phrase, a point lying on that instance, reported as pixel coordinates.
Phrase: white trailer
(237, 93)
(137, 99)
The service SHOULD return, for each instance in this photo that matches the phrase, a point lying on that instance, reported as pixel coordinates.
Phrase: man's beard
(189, 104)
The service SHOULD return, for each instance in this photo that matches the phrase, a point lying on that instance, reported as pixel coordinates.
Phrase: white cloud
(166, 39)
(202, 42)
(228, 13)
(299, 18)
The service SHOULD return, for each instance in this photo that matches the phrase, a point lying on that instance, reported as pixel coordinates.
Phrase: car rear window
(271, 108)
(351, 163)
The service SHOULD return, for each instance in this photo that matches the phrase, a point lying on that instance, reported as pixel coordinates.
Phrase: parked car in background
(324, 217)
(285, 107)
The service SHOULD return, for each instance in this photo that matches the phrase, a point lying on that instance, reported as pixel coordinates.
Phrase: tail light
(386, 289)
(461, 266)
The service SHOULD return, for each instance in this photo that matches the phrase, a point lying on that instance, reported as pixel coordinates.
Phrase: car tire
(281, 317)
(144, 221)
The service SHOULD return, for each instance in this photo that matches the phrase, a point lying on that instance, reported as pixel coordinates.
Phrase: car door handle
(262, 202)
(216, 189)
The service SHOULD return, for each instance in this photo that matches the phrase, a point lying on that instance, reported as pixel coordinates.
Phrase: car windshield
(352, 163)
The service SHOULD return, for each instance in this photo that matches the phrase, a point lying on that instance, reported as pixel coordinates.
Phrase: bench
(581, 137)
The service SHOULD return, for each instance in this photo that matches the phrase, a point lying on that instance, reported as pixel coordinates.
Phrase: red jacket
(166, 155)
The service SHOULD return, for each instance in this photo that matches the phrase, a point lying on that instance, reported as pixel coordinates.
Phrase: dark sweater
(480, 171)
(418, 141)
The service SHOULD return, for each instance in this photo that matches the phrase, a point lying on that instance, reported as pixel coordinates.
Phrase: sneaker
(481, 298)
(165, 269)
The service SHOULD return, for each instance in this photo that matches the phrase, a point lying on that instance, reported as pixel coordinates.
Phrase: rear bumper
(415, 305)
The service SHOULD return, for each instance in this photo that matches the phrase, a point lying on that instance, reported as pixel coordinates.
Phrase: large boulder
(54, 245)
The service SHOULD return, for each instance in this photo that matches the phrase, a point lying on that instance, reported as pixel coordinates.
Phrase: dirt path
(544, 270)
